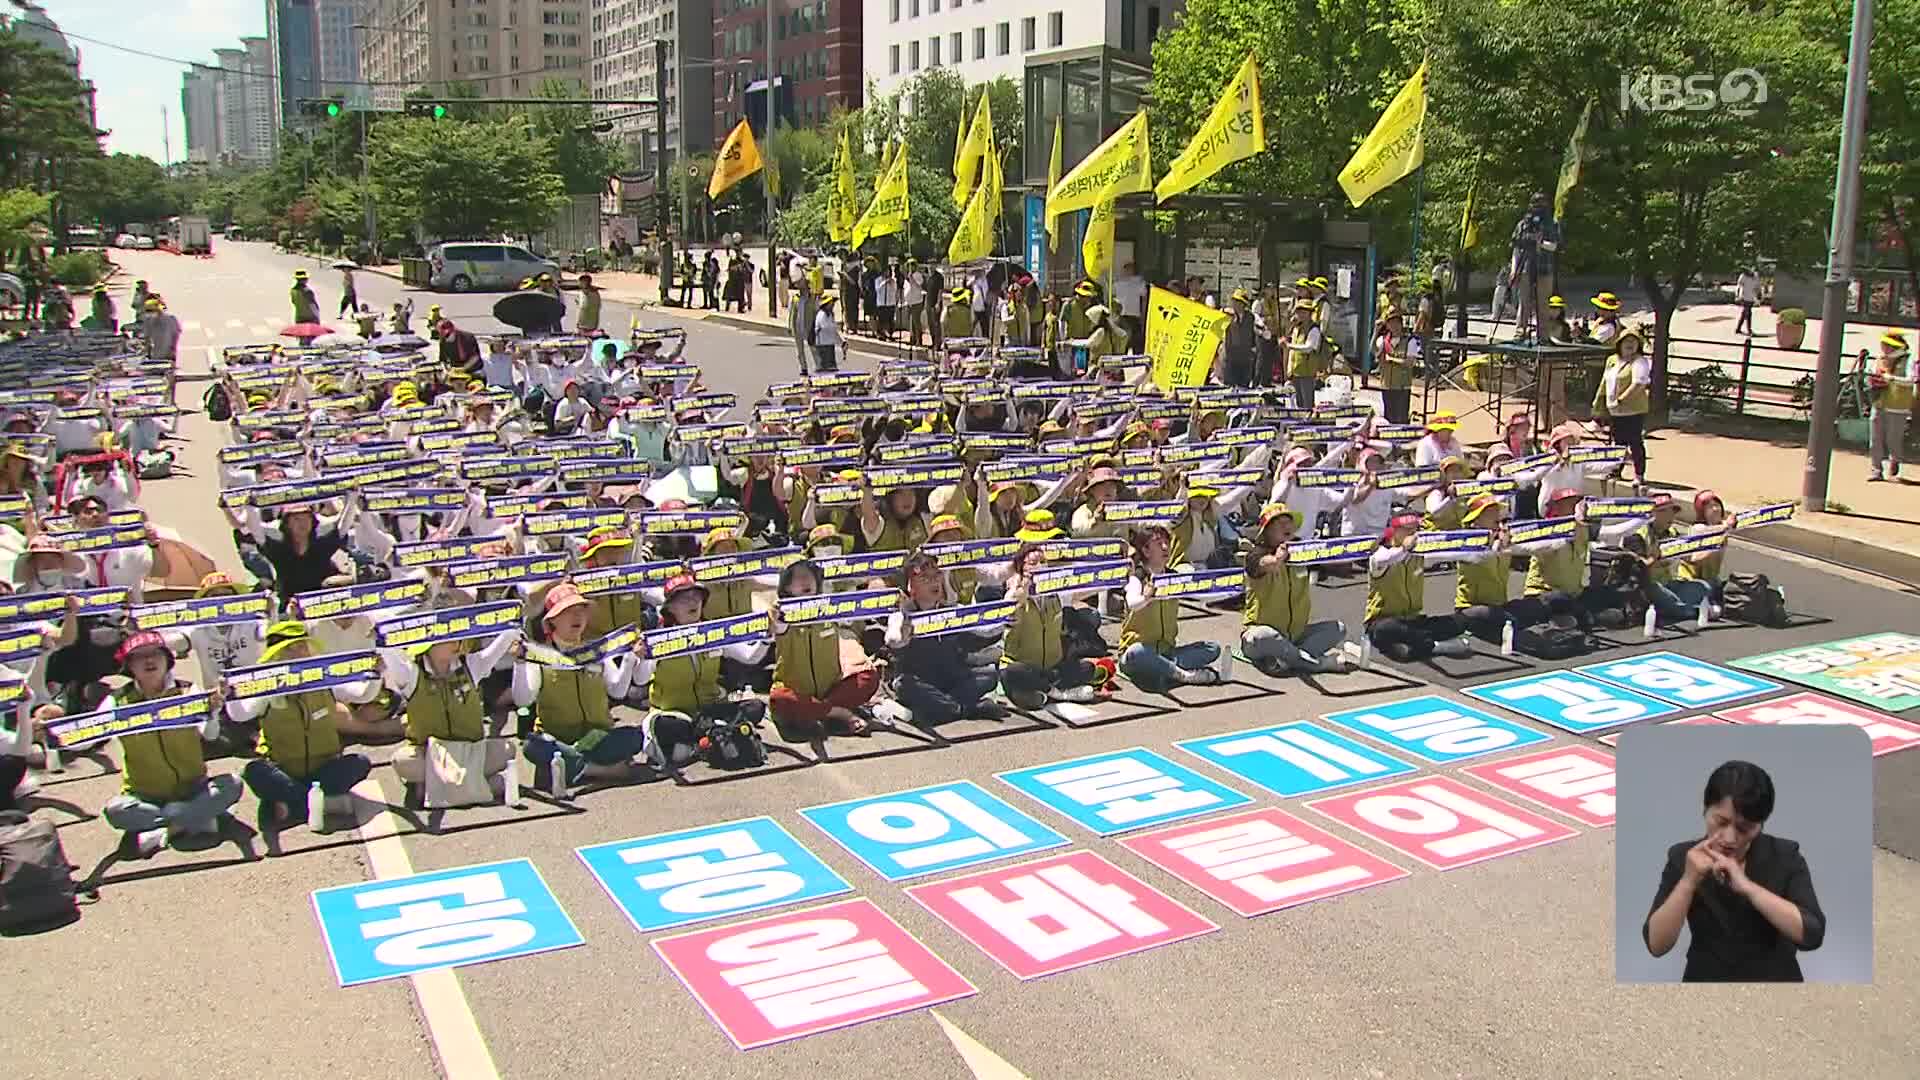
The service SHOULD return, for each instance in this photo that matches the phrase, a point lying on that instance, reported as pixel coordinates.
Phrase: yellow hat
(1606, 301)
(282, 636)
(824, 534)
(604, 538)
(1203, 492)
(716, 537)
(1894, 339)
(1241, 295)
(1480, 504)
(152, 305)
(1556, 302)
(829, 297)
(1038, 527)
(299, 275)
(1085, 288)
(945, 523)
(1444, 420)
(1275, 510)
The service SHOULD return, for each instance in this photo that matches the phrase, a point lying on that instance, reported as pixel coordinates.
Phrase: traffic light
(431, 110)
(326, 108)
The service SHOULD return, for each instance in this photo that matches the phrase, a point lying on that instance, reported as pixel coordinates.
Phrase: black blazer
(1731, 940)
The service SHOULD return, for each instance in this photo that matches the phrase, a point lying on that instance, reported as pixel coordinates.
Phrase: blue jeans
(617, 745)
(200, 811)
(270, 783)
(1309, 654)
(1151, 669)
(1678, 601)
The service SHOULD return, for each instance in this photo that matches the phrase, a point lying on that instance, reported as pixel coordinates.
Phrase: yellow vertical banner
(1235, 129)
(1570, 162)
(1469, 229)
(1395, 147)
(888, 212)
(739, 158)
(1183, 337)
(973, 237)
(977, 147)
(840, 197)
(1121, 165)
(1096, 248)
(1053, 181)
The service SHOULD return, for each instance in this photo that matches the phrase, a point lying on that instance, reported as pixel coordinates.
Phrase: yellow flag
(739, 158)
(1118, 166)
(1469, 230)
(977, 147)
(1096, 248)
(973, 237)
(841, 209)
(888, 212)
(1183, 337)
(1570, 162)
(1234, 129)
(1396, 146)
(1053, 181)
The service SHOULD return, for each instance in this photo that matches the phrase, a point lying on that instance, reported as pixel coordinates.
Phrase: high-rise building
(816, 60)
(623, 33)
(291, 32)
(244, 104)
(338, 45)
(501, 48)
(32, 23)
(200, 108)
(983, 40)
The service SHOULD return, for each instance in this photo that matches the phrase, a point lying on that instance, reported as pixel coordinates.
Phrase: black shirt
(1732, 941)
(297, 573)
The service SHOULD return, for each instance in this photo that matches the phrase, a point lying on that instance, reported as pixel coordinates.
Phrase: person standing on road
(306, 306)
(1746, 291)
(1130, 299)
(826, 335)
(1303, 354)
(1623, 399)
(1892, 385)
(140, 293)
(886, 295)
(161, 332)
(913, 302)
(710, 283)
(349, 297)
(802, 275)
(1238, 346)
(589, 323)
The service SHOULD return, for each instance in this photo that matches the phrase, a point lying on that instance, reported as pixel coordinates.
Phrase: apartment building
(502, 48)
(984, 40)
(200, 108)
(623, 33)
(816, 60)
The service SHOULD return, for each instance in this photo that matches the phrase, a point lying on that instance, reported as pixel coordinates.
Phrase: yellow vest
(571, 703)
(1635, 403)
(1280, 600)
(1483, 582)
(298, 732)
(613, 611)
(958, 320)
(1898, 396)
(1398, 593)
(726, 599)
(1301, 362)
(1036, 635)
(1157, 624)
(897, 537)
(1448, 516)
(1075, 317)
(685, 683)
(1707, 569)
(449, 709)
(1563, 569)
(1183, 536)
(806, 659)
(160, 766)
(1396, 373)
(1662, 569)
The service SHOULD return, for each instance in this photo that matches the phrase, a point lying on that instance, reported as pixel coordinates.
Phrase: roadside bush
(78, 268)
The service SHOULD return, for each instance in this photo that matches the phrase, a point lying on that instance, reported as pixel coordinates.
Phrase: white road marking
(235, 324)
(261, 332)
(189, 325)
(985, 1064)
(451, 1026)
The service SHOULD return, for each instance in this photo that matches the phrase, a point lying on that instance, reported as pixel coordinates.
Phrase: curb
(1891, 563)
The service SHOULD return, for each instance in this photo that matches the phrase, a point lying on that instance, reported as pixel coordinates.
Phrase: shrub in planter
(1791, 329)
(77, 268)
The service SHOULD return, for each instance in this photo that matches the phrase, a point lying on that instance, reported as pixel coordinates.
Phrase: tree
(43, 114)
(465, 179)
(122, 188)
(21, 210)
(1672, 192)
(583, 159)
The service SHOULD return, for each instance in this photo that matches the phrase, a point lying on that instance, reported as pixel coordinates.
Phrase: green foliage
(43, 115)
(79, 269)
(123, 188)
(1795, 316)
(447, 175)
(583, 159)
(20, 209)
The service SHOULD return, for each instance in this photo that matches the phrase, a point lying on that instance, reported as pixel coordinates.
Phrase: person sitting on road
(1397, 622)
(301, 740)
(1481, 597)
(1150, 651)
(812, 693)
(1557, 572)
(440, 686)
(684, 691)
(1279, 635)
(1038, 662)
(1440, 441)
(1677, 598)
(934, 681)
(1708, 567)
(573, 717)
(166, 796)
(901, 526)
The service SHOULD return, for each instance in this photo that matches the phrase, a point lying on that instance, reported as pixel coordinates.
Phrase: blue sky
(132, 89)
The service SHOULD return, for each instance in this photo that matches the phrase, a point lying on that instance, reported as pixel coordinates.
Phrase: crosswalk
(232, 332)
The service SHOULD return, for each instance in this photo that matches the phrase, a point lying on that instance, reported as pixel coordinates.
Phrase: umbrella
(345, 264)
(186, 564)
(525, 310)
(338, 339)
(306, 330)
(399, 342)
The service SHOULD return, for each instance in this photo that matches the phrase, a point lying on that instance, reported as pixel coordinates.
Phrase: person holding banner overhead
(300, 736)
(1709, 516)
(812, 692)
(572, 700)
(1677, 598)
(165, 795)
(1039, 662)
(439, 682)
(1304, 347)
(684, 691)
(902, 526)
(1279, 635)
(1481, 597)
(1557, 569)
(300, 546)
(1397, 622)
(1150, 651)
(935, 682)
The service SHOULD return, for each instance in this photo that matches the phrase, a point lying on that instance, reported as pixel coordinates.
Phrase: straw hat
(1276, 510)
(945, 523)
(43, 544)
(1480, 504)
(604, 538)
(1606, 301)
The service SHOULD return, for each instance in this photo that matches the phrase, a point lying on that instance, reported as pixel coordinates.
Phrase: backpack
(729, 744)
(1551, 642)
(217, 403)
(36, 881)
(1751, 598)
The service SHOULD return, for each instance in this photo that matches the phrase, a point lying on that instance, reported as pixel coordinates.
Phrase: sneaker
(1027, 700)
(1337, 662)
(144, 845)
(988, 710)
(1078, 695)
(1875, 478)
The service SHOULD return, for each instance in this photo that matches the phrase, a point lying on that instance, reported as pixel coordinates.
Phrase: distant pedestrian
(826, 335)
(306, 306)
(349, 297)
(1746, 291)
(589, 321)
(1892, 383)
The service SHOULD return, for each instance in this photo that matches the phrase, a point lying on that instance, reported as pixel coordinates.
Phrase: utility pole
(1833, 305)
(366, 193)
(663, 224)
(166, 138)
(773, 301)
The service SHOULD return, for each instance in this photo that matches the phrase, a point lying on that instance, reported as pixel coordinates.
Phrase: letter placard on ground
(1887, 733)
(691, 876)
(1571, 702)
(799, 973)
(1441, 822)
(1296, 759)
(931, 830)
(395, 927)
(1262, 861)
(1882, 670)
(1058, 913)
(1679, 680)
(1123, 790)
(1573, 781)
(1436, 729)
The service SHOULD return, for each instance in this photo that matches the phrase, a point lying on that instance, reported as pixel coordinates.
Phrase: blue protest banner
(929, 830)
(1126, 789)
(1295, 759)
(1437, 729)
(387, 929)
(1679, 680)
(158, 714)
(693, 875)
(1571, 702)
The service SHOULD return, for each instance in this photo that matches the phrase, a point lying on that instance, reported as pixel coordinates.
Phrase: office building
(501, 48)
(983, 40)
(816, 60)
(200, 109)
(622, 68)
(244, 104)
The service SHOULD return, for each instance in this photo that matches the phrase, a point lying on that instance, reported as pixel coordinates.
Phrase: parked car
(143, 243)
(125, 240)
(465, 266)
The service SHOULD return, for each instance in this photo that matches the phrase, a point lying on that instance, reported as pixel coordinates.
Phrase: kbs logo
(1741, 92)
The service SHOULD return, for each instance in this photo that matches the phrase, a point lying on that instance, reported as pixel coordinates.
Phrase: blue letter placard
(1436, 729)
(1571, 702)
(1111, 793)
(491, 911)
(676, 878)
(1295, 759)
(932, 829)
(1679, 680)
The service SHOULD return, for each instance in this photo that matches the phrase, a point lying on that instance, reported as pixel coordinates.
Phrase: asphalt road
(211, 966)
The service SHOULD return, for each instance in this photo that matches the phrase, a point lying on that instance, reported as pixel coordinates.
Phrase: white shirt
(1747, 289)
(222, 648)
(1431, 450)
(884, 291)
(1131, 294)
(826, 332)
(915, 293)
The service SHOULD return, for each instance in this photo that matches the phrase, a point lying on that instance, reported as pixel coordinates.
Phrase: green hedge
(79, 268)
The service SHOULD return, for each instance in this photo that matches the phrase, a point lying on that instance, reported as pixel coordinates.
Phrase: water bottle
(1705, 616)
(1366, 652)
(1506, 639)
(510, 785)
(54, 764)
(1650, 625)
(316, 808)
(557, 778)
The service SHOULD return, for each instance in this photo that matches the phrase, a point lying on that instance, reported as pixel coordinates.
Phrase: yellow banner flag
(1234, 130)
(1053, 181)
(739, 158)
(1396, 146)
(1118, 166)
(1183, 337)
(973, 237)
(1570, 162)
(1469, 230)
(977, 147)
(841, 209)
(1096, 248)
(888, 212)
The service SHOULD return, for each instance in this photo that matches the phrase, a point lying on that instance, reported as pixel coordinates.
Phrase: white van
(464, 266)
